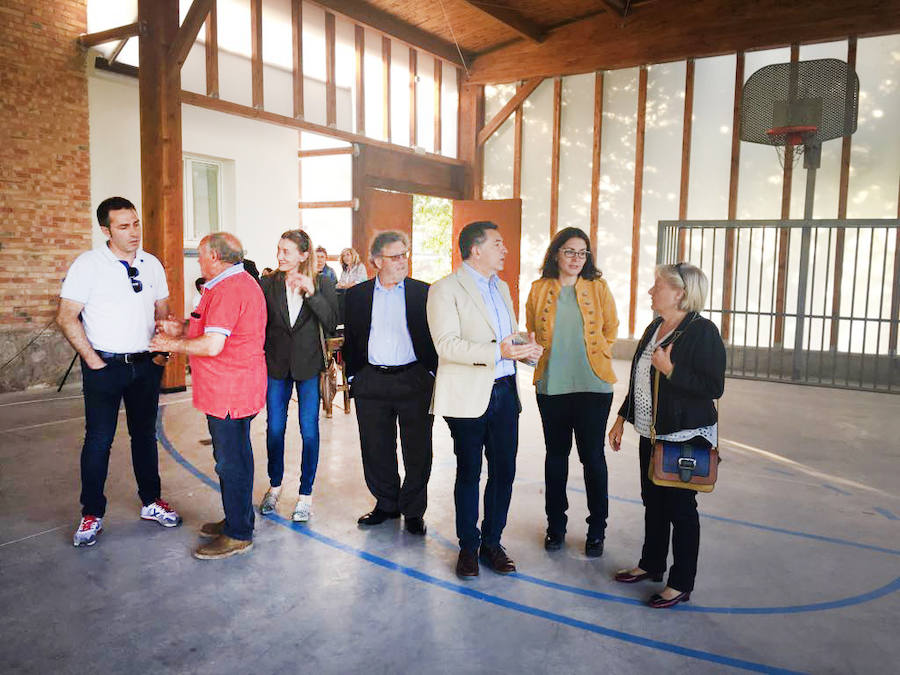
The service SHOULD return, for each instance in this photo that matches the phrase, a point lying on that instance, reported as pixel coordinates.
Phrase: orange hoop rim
(793, 135)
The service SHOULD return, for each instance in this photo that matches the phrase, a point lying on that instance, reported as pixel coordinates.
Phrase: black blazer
(296, 351)
(685, 399)
(358, 321)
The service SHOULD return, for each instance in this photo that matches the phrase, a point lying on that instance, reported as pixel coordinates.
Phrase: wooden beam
(510, 18)
(159, 84)
(784, 235)
(325, 152)
(118, 50)
(596, 146)
(638, 194)
(297, 50)
(111, 35)
(192, 98)
(413, 101)
(360, 45)
(613, 8)
(895, 285)
(733, 182)
(256, 59)
(517, 150)
(326, 205)
(438, 79)
(677, 30)
(554, 157)
(511, 106)
(212, 52)
(386, 86)
(471, 119)
(843, 189)
(686, 131)
(368, 15)
(190, 27)
(330, 85)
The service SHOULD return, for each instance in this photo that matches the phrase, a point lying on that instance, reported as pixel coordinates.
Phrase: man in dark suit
(391, 362)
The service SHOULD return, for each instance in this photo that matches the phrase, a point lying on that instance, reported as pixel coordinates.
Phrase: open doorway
(432, 232)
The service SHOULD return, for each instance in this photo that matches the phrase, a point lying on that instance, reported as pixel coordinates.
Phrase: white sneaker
(302, 510)
(162, 513)
(88, 529)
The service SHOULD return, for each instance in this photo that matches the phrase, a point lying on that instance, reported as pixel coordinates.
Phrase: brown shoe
(212, 530)
(496, 558)
(467, 565)
(222, 546)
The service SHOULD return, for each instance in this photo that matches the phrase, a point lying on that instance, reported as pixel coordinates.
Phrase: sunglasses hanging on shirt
(136, 284)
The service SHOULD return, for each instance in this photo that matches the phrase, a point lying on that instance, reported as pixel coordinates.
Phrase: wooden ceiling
(508, 40)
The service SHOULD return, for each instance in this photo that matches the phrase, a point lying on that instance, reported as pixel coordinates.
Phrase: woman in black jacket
(687, 350)
(301, 307)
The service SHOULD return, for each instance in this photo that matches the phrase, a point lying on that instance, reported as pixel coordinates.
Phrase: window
(202, 197)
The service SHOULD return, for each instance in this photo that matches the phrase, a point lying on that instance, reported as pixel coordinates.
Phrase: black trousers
(665, 509)
(384, 400)
(583, 414)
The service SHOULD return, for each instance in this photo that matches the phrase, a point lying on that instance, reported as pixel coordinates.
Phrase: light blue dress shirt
(389, 340)
(496, 307)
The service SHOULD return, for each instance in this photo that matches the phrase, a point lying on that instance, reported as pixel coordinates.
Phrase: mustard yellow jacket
(598, 310)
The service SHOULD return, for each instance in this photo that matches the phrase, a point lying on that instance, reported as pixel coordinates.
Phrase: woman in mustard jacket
(573, 316)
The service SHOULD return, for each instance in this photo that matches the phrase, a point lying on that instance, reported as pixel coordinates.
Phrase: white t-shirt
(116, 319)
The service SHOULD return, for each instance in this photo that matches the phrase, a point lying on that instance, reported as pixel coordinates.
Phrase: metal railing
(802, 301)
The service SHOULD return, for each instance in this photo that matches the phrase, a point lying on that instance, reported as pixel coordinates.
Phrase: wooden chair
(328, 380)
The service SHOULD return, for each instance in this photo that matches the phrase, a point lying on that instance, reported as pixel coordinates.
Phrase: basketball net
(790, 142)
(790, 153)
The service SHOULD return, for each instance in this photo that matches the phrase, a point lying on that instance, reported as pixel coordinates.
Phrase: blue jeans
(278, 396)
(234, 466)
(497, 432)
(104, 390)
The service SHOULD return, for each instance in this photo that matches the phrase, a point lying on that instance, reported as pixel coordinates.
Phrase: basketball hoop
(794, 137)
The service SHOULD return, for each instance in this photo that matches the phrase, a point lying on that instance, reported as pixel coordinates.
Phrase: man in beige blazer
(472, 324)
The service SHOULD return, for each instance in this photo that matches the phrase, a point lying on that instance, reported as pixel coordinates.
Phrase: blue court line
(836, 489)
(887, 589)
(887, 514)
(480, 595)
(773, 469)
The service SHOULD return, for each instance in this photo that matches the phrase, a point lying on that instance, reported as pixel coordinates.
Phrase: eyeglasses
(570, 253)
(136, 284)
(396, 258)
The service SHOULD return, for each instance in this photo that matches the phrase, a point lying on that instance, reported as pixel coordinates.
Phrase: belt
(134, 357)
(393, 369)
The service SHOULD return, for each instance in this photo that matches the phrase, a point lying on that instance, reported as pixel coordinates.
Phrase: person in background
(198, 285)
(109, 302)
(354, 271)
(687, 350)
(322, 265)
(573, 316)
(301, 308)
(228, 370)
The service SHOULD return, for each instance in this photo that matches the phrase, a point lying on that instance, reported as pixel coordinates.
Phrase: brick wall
(44, 179)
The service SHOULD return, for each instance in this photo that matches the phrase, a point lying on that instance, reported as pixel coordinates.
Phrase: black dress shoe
(376, 516)
(415, 525)
(657, 601)
(593, 548)
(626, 577)
(467, 564)
(496, 558)
(553, 541)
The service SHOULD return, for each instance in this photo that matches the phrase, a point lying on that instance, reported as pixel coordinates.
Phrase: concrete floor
(799, 560)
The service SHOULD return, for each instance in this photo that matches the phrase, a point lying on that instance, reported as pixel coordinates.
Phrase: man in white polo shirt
(110, 300)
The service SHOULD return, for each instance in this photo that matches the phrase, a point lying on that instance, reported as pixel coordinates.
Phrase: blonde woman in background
(354, 271)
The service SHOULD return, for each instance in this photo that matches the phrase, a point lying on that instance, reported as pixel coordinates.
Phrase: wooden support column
(212, 53)
(413, 107)
(330, 87)
(517, 149)
(784, 235)
(471, 120)
(438, 81)
(686, 131)
(386, 85)
(844, 187)
(297, 50)
(159, 86)
(733, 181)
(638, 193)
(256, 59)
(595, 159)
(554, 157)
(895, 286)
(360, 35)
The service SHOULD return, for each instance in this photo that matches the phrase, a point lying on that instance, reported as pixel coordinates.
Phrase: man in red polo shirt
(225, 341)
